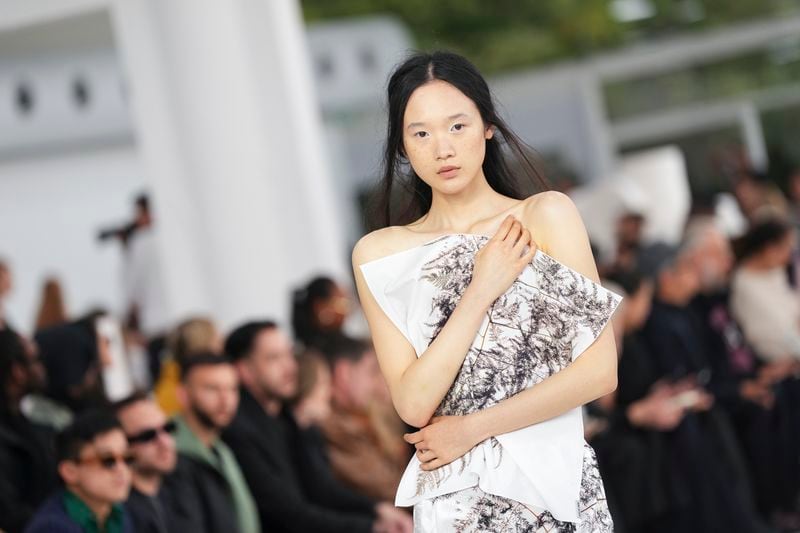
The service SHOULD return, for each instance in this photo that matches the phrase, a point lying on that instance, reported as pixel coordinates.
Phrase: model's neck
(460, 212)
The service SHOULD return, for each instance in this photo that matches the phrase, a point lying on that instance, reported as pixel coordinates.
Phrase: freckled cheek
(423, 161)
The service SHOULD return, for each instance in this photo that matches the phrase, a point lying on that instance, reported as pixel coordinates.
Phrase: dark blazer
(295, 492)
(27, 470)
(197, 499)
(147, 515)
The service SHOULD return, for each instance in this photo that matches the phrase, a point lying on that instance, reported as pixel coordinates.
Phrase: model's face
(150, 441)
(444, 137)
(100, 473)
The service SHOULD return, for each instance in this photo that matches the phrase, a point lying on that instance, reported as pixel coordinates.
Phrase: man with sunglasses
(94, 464)
(153, 448)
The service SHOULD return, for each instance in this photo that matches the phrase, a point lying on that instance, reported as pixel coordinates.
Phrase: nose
(444, 148)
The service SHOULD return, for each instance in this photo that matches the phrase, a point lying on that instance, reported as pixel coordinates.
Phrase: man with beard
(295, 492)
(208, 479)
(150, 441)
(27, 465)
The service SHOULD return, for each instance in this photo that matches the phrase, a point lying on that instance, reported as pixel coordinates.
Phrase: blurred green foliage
(500, 35)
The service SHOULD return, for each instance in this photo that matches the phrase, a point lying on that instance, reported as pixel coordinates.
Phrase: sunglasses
(150, 434)
(109, 461)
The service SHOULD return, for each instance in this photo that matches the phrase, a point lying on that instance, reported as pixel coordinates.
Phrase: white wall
(50, 211)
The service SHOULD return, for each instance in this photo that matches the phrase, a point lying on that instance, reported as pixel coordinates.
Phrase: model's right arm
(418, 385)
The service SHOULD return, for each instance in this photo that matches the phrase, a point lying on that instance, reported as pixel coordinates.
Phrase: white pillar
(753, 134)
(231, 140)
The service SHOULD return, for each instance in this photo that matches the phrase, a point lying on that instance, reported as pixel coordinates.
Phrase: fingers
(413, 438)
(524, 240)
(432, 465)
(425, 455)
(504, 228)
(513, 233)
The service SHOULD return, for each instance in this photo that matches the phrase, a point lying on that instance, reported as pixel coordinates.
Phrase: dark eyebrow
(451, 117)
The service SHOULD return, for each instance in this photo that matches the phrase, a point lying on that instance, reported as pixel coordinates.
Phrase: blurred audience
(295, 491)
(319, 311)
(74, 355)
(759, 397)
(762, 300)
(311, 406)
(52, 310)
(27, 461)
(759, 197)
(209, 480)
(358, 455)
(93, 463)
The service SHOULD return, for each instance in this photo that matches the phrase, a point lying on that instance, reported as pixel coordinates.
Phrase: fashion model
(480, 301)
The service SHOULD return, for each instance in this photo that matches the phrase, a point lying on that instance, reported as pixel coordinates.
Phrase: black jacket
(148, 514)
(27, 470)
(197, 499)
(294, 491)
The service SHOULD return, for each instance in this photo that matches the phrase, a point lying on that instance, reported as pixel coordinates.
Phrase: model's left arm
(560, 233)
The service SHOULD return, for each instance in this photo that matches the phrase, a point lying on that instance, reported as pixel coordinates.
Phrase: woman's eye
(457, 127)
(421, 134)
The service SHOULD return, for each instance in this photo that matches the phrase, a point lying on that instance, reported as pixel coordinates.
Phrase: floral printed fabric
(547, 318)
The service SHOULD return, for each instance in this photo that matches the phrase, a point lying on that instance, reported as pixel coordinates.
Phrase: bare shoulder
(379, 243)
(552, 216)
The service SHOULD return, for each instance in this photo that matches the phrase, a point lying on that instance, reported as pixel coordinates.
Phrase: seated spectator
(645, 492)
(762, 301)
(150, 440)
(72, 355)
(711, 457)
(358, 456)
(208, 479)
(761, 400)
(319, 311)
(311, 407)
(195, 335)
(93, 462)
(27, 465)
(295, 492)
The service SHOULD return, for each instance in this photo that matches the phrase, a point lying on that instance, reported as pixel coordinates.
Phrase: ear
(68, 471)
(489, 133)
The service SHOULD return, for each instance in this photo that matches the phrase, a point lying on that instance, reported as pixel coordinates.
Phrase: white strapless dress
(544, 475)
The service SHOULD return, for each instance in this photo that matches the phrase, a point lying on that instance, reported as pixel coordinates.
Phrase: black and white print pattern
(531, 332)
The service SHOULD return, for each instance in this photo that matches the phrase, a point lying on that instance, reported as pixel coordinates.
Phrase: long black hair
(456, 70)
